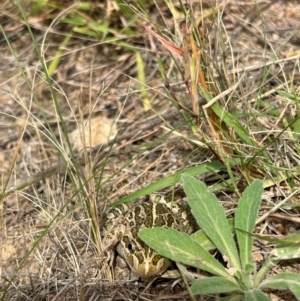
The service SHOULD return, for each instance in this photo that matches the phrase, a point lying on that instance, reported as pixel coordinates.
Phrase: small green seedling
(239, 280)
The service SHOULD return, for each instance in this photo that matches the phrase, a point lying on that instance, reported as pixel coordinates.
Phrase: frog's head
(144, 262)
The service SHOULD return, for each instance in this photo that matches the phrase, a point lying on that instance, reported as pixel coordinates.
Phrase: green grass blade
(170, 181)
(142, 81)
(233, 123)
(55, 62)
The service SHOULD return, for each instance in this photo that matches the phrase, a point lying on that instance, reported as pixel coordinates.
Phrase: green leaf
(180, 247)
(245, 277)
(214, 285)
(283, 281)
(211, 218)
(286, 252)
(256, 295)
(201, 238)
(245, 217)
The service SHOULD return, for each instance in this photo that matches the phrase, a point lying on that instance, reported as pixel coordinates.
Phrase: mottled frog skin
(120, 235)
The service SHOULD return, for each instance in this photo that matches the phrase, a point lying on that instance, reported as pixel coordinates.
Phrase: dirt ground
(48, 250)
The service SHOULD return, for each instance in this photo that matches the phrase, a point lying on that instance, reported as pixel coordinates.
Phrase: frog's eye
(130, 247)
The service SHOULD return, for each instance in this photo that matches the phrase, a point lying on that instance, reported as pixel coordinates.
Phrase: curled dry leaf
(171, 47)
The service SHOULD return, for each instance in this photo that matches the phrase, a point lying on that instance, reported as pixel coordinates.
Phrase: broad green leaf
(214, 285)
(201, 238)
(211, 218)
(180, 247)
(256, 295)
(245, 217)
(283, 281)
(286, 252)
